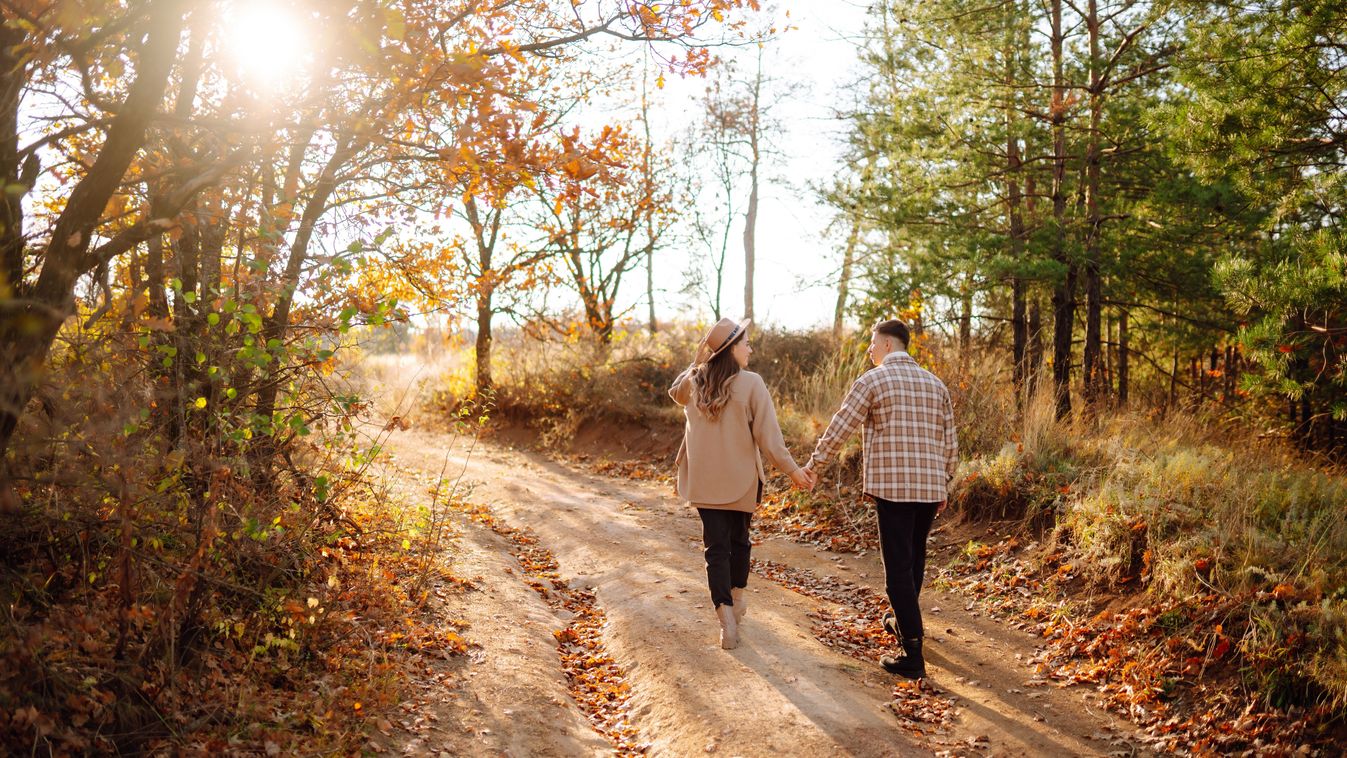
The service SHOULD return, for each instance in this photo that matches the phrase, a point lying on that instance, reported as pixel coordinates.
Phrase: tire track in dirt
(507, 696)
(598, 685)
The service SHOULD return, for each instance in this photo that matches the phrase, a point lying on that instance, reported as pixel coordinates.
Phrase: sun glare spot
(268, 43)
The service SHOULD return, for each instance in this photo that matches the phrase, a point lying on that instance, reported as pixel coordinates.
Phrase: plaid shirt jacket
(910, 446)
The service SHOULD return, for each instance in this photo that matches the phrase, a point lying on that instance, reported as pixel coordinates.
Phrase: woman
(731, 424)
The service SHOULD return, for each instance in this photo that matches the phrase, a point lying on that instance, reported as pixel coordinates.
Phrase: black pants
(903, 528)
(725, 535)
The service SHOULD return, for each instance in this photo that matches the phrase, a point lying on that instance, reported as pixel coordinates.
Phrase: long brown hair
(712, 380)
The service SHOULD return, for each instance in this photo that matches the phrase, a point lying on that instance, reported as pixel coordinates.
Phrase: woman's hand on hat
(703, 353)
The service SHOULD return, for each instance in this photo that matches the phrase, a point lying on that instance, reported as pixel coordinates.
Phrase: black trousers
(903, 529)
(725, 535)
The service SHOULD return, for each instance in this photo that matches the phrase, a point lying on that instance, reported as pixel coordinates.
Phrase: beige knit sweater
(721, 460)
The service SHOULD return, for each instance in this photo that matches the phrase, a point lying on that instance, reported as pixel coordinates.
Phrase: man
(910, 452)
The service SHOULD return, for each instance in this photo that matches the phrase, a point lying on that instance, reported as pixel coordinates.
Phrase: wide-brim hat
(723, 334)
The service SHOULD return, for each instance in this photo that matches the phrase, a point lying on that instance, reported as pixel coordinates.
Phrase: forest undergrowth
(172, 592)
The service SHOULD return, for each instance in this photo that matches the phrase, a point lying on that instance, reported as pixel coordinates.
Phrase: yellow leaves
(395, 24)
(647, 15)
(200, 403)
(466, 68)
(580, 169)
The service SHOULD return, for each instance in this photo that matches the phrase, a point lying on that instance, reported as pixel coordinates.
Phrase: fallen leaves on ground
(304, 638)
(856, 629)
(842, 525)
(597, 683)
(920, 702)
(1178, 668)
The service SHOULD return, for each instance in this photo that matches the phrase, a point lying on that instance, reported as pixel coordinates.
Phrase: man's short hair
(894, 328)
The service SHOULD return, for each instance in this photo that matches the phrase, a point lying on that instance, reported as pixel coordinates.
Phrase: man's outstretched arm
(855, 407)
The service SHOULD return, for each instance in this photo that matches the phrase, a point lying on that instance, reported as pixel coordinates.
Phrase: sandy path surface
(782, 692)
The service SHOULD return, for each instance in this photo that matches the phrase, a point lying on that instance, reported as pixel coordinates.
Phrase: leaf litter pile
(857, 630)
(843, 524)
(597, 683)
(1183, 670)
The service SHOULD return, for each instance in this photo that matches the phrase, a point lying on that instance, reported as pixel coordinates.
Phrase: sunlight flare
(268, 43)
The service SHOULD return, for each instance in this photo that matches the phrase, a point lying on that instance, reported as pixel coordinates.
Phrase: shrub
(163, 584)
(560, 382)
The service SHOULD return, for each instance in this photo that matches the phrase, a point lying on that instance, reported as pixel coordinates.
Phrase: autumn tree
(387, 73)
(594, 218)
(714, 210)
(76, 237)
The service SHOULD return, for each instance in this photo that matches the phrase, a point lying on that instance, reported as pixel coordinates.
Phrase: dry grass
(1181, 508)
(560, 383)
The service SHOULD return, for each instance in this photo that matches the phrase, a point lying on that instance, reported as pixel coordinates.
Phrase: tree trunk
(28, 327)
(1305, 432)
(965, 324)
(751, 215)
(486, 267)
(1095, 390)
(649, 211)
(1174, 381)
(1015, 216)
(652, 324)
(13, 74)
(1123, 359)
(277, 324)
(1035, 345)
(154, 274)
(484, 339)
(1064, 293)
(1227, 387)
(720, 285)
(213, 233)
(750, 222)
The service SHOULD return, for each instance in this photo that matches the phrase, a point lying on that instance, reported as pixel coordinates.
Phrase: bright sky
(797, 261)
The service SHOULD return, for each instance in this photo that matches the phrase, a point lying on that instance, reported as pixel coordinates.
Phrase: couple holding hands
(910, 453)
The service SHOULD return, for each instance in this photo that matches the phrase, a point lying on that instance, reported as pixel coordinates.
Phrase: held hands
(804, 478)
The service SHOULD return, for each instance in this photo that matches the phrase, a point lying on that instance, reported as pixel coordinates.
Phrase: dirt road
(782, 692)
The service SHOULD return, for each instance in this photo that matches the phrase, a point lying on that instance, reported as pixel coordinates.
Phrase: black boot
(910, 664)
